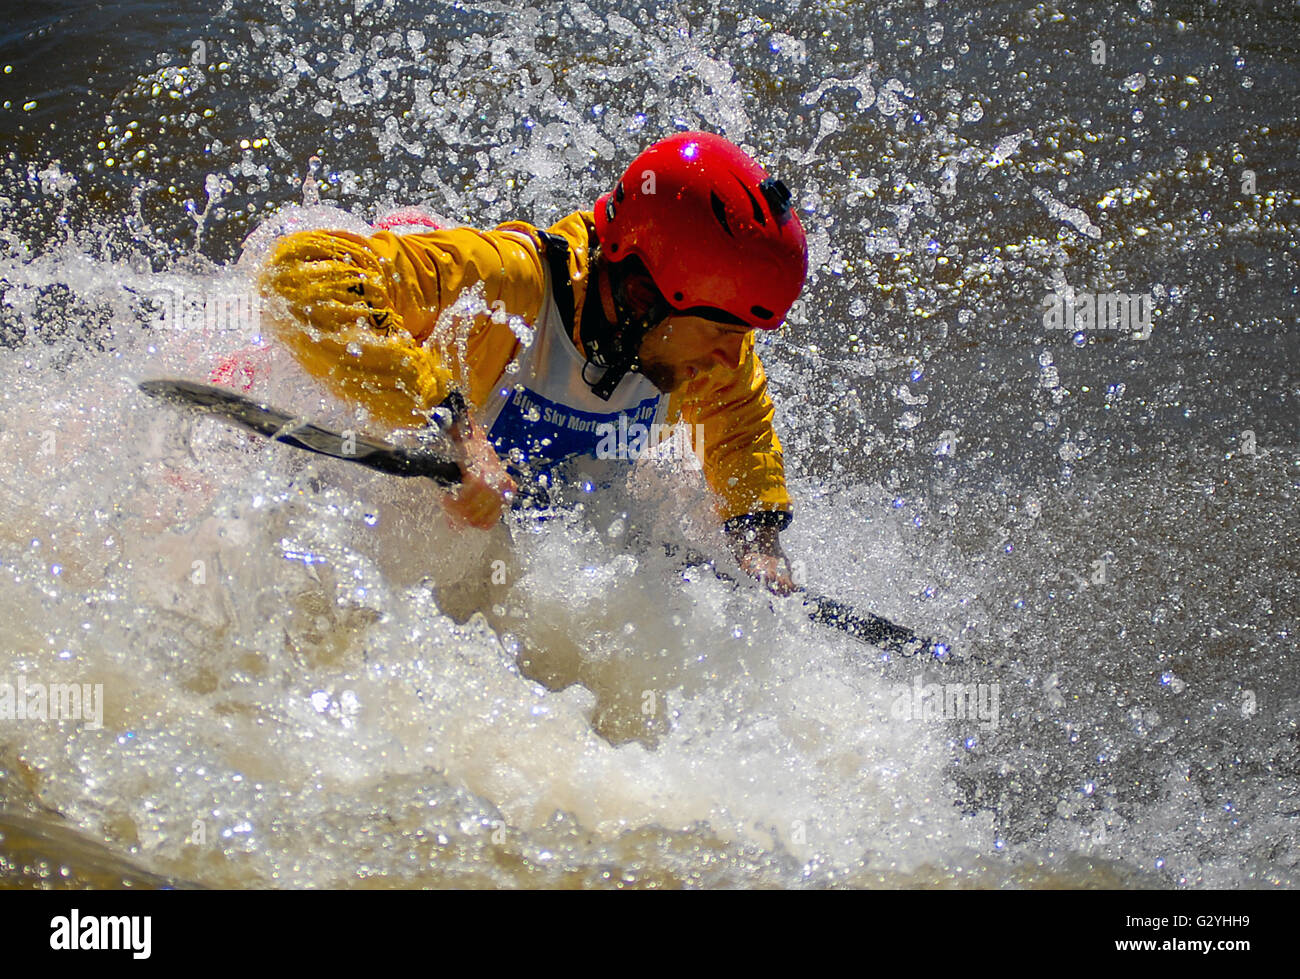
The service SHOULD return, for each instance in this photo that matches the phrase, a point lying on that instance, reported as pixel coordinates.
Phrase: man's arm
(742, 462)
(397, 323)
(402, 324)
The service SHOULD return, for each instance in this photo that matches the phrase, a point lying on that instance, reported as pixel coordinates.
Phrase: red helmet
(710, 226)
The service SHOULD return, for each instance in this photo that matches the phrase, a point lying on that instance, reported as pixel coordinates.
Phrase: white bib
(546, 416)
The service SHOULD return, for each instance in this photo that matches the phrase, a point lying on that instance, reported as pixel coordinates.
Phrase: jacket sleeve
(396, 322)
(740, 452)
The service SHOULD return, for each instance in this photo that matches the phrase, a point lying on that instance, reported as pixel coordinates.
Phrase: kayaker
(531, 346)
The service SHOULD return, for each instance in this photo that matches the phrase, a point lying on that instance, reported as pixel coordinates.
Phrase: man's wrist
(775, 519)
(757, 532)
(755, 539)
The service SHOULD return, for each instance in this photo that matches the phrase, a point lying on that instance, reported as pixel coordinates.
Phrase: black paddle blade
(283, 427)
(872, 628)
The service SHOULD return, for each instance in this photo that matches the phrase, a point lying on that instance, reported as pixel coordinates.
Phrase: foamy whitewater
(309, 680)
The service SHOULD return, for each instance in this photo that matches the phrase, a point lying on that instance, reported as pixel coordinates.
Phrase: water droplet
(310, 189)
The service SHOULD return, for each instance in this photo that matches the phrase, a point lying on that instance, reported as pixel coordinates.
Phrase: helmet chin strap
(617, 347)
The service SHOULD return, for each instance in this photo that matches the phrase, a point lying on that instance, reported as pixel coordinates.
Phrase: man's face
(682, 347)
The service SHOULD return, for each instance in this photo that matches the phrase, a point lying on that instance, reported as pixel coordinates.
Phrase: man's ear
(640, 291)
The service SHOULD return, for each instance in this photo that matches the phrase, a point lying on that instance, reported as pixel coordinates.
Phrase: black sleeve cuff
(780, 519)
(449, 412)
(455, 403)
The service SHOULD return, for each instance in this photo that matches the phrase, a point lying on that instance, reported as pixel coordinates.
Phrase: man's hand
(758, 551)
(771, 570)
(486, 488)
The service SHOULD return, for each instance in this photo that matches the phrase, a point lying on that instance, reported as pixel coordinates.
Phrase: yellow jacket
(396, 322)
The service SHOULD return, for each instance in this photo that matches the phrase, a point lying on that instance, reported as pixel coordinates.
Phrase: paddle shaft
(395, 461)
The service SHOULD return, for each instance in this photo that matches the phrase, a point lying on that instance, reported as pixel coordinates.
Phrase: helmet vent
(759, 216)
(720, 212)
(761, 311)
